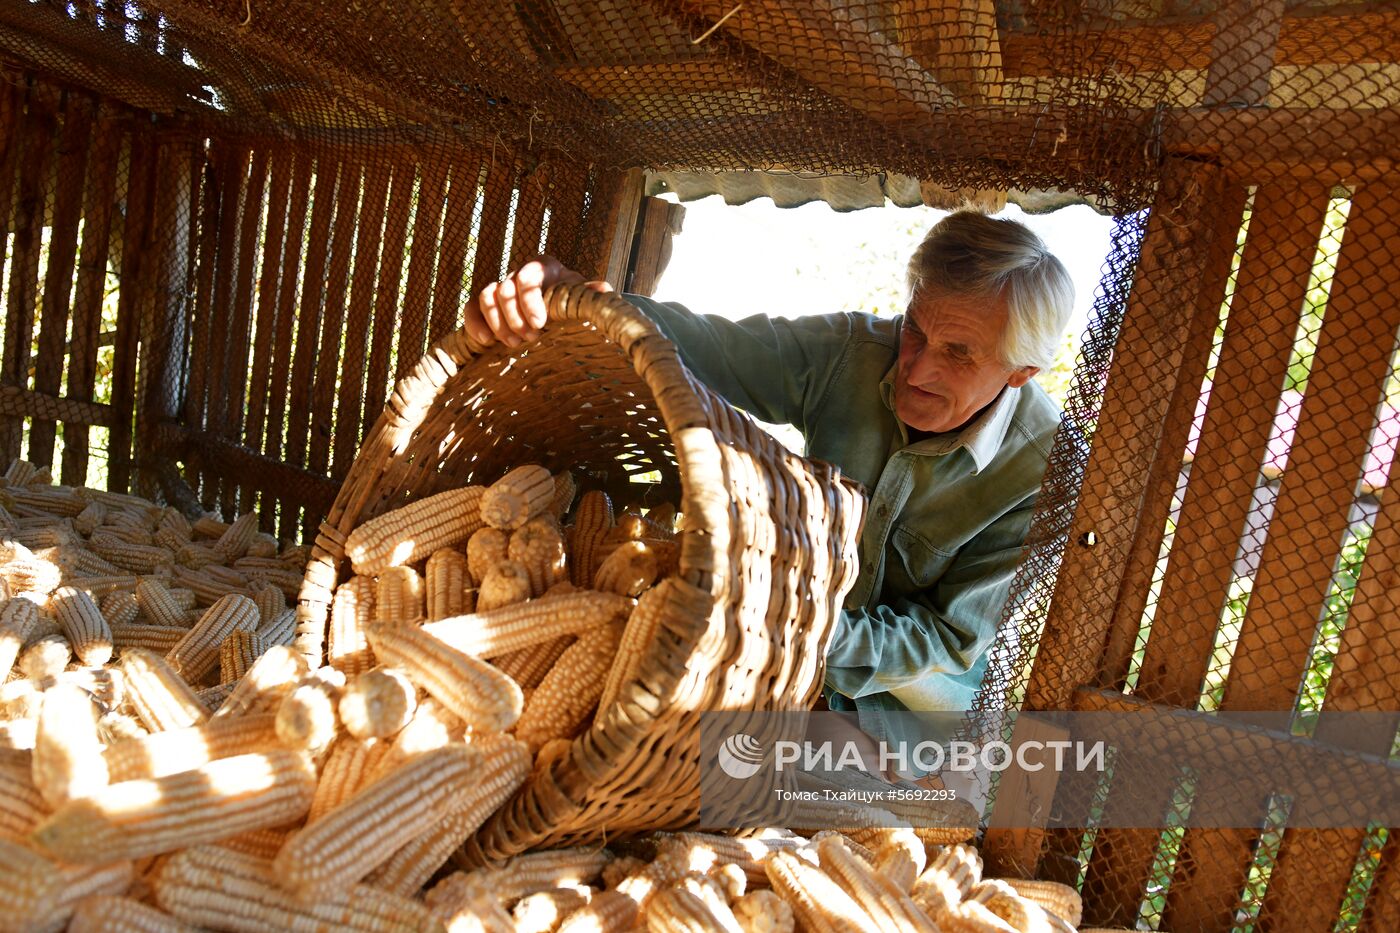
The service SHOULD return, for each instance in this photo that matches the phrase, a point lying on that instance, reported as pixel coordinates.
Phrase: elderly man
(935, 411)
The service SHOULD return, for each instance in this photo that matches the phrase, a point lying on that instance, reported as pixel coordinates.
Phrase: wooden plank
(1242, 52)
(456, 232)
(22, 402)
(1322, 143)
(165, 314)
(11, 121)
(661, 222)
(309, 325)
(386, 298)
(37, 131)
(1174, 261)
(495, 218)
(231, 165)
(622, 220)
(269, 284)
(1025, 797)
(831, 47)
(1166, 470)
(427, 225)
(135, 266)
(1382, 911)
(295, 488)
(236, 344)
(92, 281)
(960, 45)
(332, 332)
(78, 114)
(369, 234)
(526, 232)
(1258, 340)
(292, 250)
(1310, 877)
(201, 327)
(1348, 375)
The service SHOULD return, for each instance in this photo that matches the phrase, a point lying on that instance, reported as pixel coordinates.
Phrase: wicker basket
(768, 552)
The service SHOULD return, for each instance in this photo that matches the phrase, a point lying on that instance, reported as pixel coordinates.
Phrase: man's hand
(513, 310)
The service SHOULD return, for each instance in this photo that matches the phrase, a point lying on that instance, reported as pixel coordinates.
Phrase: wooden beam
(829, 47)
(1326, 143)
(1305, 38)
(1242, 52)
(245, 467)
(958, 41)
(22, 403)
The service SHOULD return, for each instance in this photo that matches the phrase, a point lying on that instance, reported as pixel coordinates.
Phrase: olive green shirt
(947, 515)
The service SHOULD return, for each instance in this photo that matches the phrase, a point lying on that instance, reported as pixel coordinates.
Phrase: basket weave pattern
(768, 550)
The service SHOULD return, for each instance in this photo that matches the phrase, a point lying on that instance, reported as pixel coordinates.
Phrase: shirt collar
(982, 437)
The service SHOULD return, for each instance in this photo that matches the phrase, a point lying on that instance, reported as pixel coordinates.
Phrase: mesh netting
(229, 227)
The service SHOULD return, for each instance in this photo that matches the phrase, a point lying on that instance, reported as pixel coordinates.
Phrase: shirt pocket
(917, 566)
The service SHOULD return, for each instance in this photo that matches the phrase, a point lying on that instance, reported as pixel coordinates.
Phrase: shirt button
(882, 510)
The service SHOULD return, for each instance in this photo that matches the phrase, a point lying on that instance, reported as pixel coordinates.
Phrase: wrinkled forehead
(966, 317)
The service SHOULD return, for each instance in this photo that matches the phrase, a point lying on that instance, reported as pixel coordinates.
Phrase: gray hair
(967, 253)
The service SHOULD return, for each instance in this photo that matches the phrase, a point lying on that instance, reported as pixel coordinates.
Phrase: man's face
(949, 369)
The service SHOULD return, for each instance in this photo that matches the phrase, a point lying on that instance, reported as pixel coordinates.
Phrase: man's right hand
(513, 309)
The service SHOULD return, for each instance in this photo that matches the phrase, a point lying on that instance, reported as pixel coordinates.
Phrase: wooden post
(660, 222)
(136, 265)
(386, 297)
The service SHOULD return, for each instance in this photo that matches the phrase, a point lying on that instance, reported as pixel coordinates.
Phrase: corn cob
(527, 666)
(505, 584)
(1053, 897)
(237, 653)
(45, 657)
(447, 584)
(270, 601)
(30, 574)
(349, 766)
(467, 905)
(352, 609)
(890, 907)
(326, 857)
(486, 548)
(505, 764)
(432, 726)
(20, 699)
(157, 638)
(83, 625)
(628, 570)
(377, 704)
(170, 540)
(608, 912)
(21, 805)
(20, 472)
(763, 912)
(570, 691)
(295, 555)
(1020, 914)
(704, 852)
(263, 545)
(479, 694)
(160, 696)
(901, 857)
(307, 718)
(48, 534)
(662, 518)
(565, 488)
(398, 598)
(40, 894)
(89, 569)
(147, 817)
(259, 843)
(233, 543)
(17, 618)
(269, 571)
(117, 727)
(67, 758)
(543, 911)
(592, 520)
(210, 584)
(120, 607)
(281, 630)
(951, 876)
(217, 888)
(195, 556)
(157, 603)
(42, 625)
(539, 548)
(267, 681)
(130, 555)
(175, 750)
(213, 697)
(171, 519)
(637, 638)
(817, 901)
(105, 913)
(129, 532)
(198, 652)
(55, 500)
(412, 532)
(208, 526)
(678, 910)
(517, 497)
(496, 632)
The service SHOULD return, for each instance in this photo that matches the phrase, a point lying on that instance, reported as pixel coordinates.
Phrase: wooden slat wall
(269, 293)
